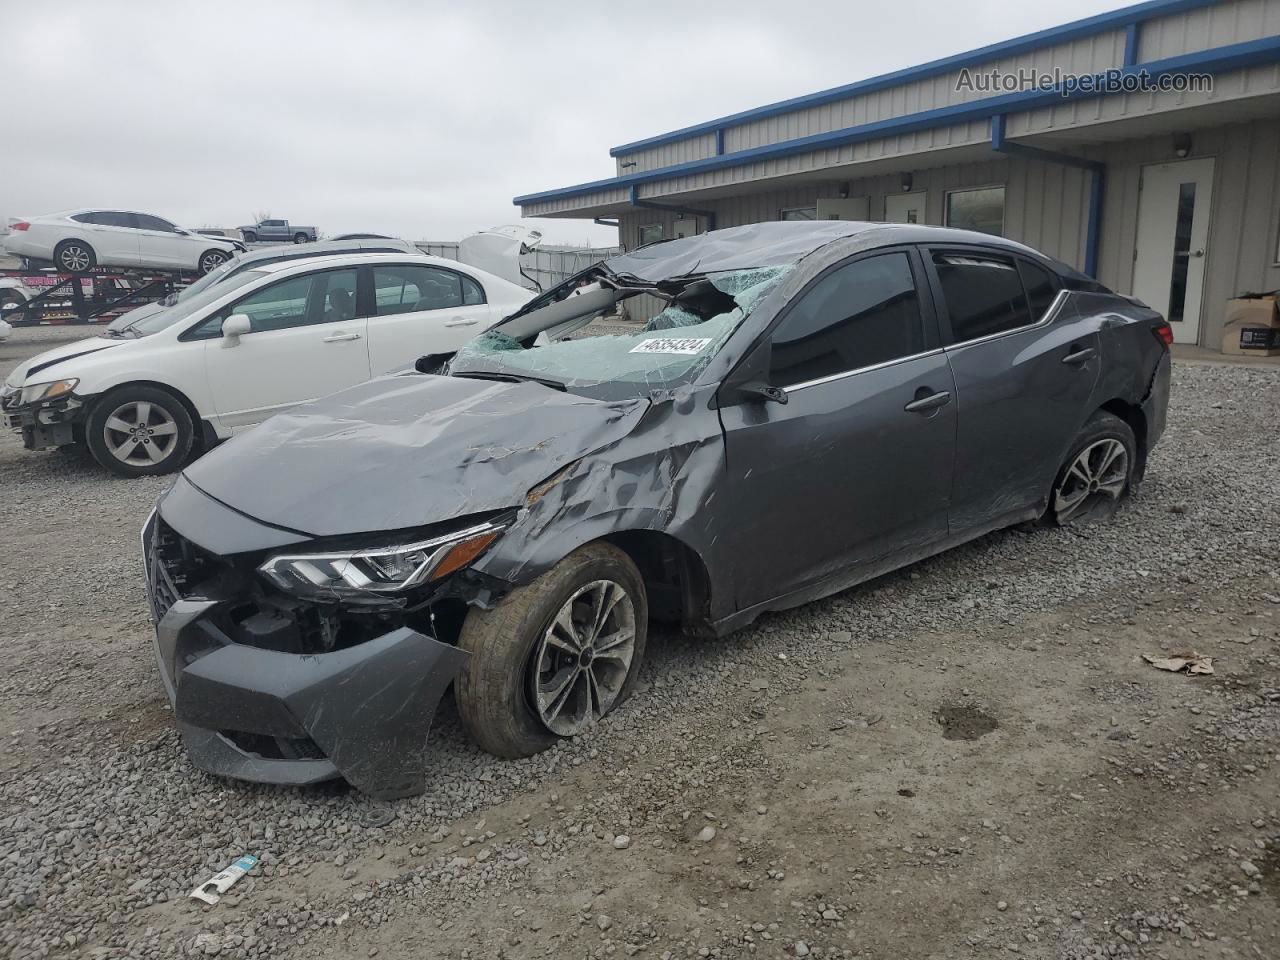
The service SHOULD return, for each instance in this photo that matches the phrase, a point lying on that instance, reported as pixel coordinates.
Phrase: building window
(650, 233)
(799, 213)
(981, 210)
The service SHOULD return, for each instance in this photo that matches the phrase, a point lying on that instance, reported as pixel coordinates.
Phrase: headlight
(35, 392)
(378, 571)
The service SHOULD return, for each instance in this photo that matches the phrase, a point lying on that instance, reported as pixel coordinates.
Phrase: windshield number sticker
(684, 346)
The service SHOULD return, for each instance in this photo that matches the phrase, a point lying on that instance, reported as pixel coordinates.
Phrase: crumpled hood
(407, 451)
(47, 365)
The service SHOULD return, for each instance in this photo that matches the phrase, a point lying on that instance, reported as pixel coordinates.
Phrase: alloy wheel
(1094, 482)
(74, 258)
(140, 433)
(583, 659)
(212, 261)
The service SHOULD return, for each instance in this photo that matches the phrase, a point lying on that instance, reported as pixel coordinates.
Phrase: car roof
(778, 243)
(285, 253)
(354, 259)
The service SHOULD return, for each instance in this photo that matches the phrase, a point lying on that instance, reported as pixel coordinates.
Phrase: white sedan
(79, 240)
(261, 341)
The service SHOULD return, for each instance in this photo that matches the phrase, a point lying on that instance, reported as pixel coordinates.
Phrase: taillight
(1164, 333)
(20, 225)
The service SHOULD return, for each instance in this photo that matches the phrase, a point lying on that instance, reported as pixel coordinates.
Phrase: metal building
(1171, 194)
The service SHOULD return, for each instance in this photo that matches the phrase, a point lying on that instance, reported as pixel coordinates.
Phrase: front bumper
(45, 425)
(361, 713)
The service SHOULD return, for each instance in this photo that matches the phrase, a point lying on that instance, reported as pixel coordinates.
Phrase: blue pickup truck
(277, 230)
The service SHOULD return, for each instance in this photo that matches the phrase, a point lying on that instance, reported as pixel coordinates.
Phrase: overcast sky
(416, 119)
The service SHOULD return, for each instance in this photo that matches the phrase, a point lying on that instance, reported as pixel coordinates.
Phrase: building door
(905, 207)
(1173, 237)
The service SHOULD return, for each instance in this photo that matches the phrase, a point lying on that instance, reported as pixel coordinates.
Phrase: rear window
(984, 294)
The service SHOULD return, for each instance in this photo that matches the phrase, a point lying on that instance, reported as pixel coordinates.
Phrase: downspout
(650, 205)
(1097, 185)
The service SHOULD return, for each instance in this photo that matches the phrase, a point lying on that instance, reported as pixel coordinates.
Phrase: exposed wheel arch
(675, 576)
(1133, 416)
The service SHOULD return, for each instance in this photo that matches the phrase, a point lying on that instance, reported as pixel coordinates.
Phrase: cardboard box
(1252, 327)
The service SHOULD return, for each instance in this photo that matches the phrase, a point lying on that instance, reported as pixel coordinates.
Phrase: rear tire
(211, 260)
(507, 690)
(74, 256)
(140, 431)
(300, 238)
(1097, 474)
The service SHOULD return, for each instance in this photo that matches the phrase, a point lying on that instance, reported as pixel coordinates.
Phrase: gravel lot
(964, 759)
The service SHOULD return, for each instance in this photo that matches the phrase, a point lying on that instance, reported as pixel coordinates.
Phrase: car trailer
(98, 296)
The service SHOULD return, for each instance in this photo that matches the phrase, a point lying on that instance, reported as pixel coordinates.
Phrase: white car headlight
(375, 572)
(35, 392)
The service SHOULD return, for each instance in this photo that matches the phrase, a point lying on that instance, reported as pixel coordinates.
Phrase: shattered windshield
(671, 347)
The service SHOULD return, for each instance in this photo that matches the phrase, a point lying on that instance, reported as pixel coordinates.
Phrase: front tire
(1097, 474)
(249, 236)
(556, 656)
(74, 256)
(140, 431)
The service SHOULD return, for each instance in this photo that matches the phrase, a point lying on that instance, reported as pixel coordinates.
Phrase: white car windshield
(670, 348)
(192, 303)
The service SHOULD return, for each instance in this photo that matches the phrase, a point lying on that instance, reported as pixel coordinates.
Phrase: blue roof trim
(1089, 26)
(1232, 57)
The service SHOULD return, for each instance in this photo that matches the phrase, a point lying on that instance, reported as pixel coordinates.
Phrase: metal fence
(547, 266)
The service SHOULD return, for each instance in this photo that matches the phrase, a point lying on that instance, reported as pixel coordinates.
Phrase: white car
(6, 328)
(79, 240)
(261, 341)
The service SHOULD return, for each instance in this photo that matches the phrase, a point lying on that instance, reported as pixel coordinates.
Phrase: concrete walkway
(1186, 353)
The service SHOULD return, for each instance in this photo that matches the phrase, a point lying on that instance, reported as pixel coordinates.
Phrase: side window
(983, 294)
(106, 218)
(1040, 285)
(148, 222)
(409, 289)
(472, 292)
(300, 301)
(860, 314)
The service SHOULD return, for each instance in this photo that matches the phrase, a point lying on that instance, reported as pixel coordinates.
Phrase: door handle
(461, 322)
(1077, 357)
(340, 337)
(932, 402)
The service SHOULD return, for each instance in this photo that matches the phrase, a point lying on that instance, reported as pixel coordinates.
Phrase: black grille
(174, 565)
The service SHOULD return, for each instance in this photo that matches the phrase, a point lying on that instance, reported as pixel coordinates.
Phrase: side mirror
(235, 327)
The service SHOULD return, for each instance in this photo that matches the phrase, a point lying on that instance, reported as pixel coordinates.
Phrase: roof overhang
(611, 196)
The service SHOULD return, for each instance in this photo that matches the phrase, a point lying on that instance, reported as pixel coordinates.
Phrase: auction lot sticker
(687, 346)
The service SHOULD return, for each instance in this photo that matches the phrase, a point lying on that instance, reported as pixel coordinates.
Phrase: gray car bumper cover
(368, 708)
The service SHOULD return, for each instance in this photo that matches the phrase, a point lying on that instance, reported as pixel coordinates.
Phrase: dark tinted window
(106, 218)
(862, 313)
(983, 294)
(148, 222)
(1040, 286)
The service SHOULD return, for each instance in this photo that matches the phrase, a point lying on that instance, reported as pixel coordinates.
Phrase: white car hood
(45, 366)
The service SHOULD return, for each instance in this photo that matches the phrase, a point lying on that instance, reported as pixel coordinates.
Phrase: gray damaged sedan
(809, 406)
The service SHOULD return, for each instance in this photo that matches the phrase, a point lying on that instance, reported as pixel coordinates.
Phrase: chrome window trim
(1049, 315)
(831, 378)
